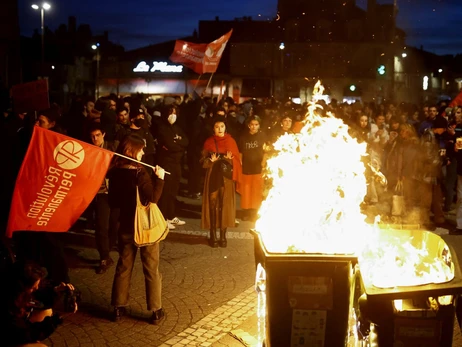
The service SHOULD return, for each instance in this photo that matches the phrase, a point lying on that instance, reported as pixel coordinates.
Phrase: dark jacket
(16, 327)
(123, 182)
(170, 148)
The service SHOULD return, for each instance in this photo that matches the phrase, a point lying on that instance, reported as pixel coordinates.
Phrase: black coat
(170, 149)
(123, 182)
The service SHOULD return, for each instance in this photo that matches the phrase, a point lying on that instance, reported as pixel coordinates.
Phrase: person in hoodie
(172, 143)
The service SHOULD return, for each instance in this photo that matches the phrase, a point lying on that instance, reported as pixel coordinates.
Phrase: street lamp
(95, 47)
(44, 7)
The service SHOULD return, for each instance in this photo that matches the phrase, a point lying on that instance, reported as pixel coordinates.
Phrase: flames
(318, 184)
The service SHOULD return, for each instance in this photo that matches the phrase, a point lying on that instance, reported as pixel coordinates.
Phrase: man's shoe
(176, 221)
(118, 313)
(157, 317)
(104, 265)
(170, 225)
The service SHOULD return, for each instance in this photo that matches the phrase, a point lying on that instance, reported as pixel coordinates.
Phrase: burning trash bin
(327, 278)
(308, 298)
(417, 307)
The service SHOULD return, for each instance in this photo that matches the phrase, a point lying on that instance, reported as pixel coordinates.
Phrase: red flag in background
(58, 179)
(457, 101)
(200, 57)
(189, 54)
(214, 52)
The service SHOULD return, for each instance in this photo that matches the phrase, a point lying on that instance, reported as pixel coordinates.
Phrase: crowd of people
(220, 148)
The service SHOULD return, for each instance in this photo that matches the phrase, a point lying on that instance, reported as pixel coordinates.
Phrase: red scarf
(225, 144)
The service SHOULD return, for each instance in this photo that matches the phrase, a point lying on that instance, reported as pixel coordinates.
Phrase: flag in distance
(58, 179)
(200, 57)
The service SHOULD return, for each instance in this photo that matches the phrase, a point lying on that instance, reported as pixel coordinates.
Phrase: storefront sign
(160, 66)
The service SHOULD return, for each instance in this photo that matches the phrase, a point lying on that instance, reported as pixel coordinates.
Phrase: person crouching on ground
(26, 308)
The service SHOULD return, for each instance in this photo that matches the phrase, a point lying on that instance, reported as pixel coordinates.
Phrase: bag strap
(399, 187)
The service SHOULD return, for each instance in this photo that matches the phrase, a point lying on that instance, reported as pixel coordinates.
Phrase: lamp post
(98, 57)
(44, 7)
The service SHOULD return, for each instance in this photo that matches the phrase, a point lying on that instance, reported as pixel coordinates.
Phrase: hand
(160, 172)
(229, 155)
(379, 132)
(213, 157)
(63, 287)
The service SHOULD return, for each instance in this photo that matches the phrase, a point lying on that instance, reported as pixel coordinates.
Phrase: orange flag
(200, 57)
(58, 179)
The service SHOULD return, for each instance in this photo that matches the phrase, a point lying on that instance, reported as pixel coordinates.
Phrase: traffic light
(381, 70)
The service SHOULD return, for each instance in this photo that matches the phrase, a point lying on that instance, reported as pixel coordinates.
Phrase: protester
(26, 308)
(100, 206)
(124, 180)
(172, 143)
(219, 200)
(251, 147)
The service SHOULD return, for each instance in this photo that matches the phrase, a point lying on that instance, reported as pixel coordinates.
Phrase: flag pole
(210, 79)
(139, 162)
(198, 79)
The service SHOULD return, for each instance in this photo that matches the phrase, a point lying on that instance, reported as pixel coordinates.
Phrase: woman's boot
(213, 229)
(223, 241)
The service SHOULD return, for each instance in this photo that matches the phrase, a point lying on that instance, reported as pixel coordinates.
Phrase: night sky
(435, 24)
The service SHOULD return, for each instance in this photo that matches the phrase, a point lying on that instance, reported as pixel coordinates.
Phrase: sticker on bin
(413, 332)
(308, 328)
(310, 292)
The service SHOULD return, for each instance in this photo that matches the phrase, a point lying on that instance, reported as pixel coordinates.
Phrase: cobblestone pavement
(208, 293)
(198, 282)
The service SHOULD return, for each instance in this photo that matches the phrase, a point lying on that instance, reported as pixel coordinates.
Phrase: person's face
(286, 124)
(127, 105)
(363, 121)
(140, 154)
(219, 129)
(44, 122)
(90, 106)
(112, 105)
(221, 113)
(395, 126)
(34, 287)
(380, 120)
(433, 112)
(458, 115)
(97, 137)
(404, 133)
(225, 106)
(254, 126)
(122, 117)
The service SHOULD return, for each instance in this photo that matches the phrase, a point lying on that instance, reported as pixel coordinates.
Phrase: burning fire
(313, 206)
(318, 186)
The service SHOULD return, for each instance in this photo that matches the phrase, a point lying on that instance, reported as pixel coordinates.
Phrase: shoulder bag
(150, 225)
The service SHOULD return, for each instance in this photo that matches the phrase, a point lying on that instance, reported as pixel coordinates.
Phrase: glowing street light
(282, 46)
(404, 55)
(440, 70)
(44, 7)
(95, 47)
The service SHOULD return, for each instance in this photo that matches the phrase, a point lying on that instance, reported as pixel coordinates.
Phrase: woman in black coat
(124, 179)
